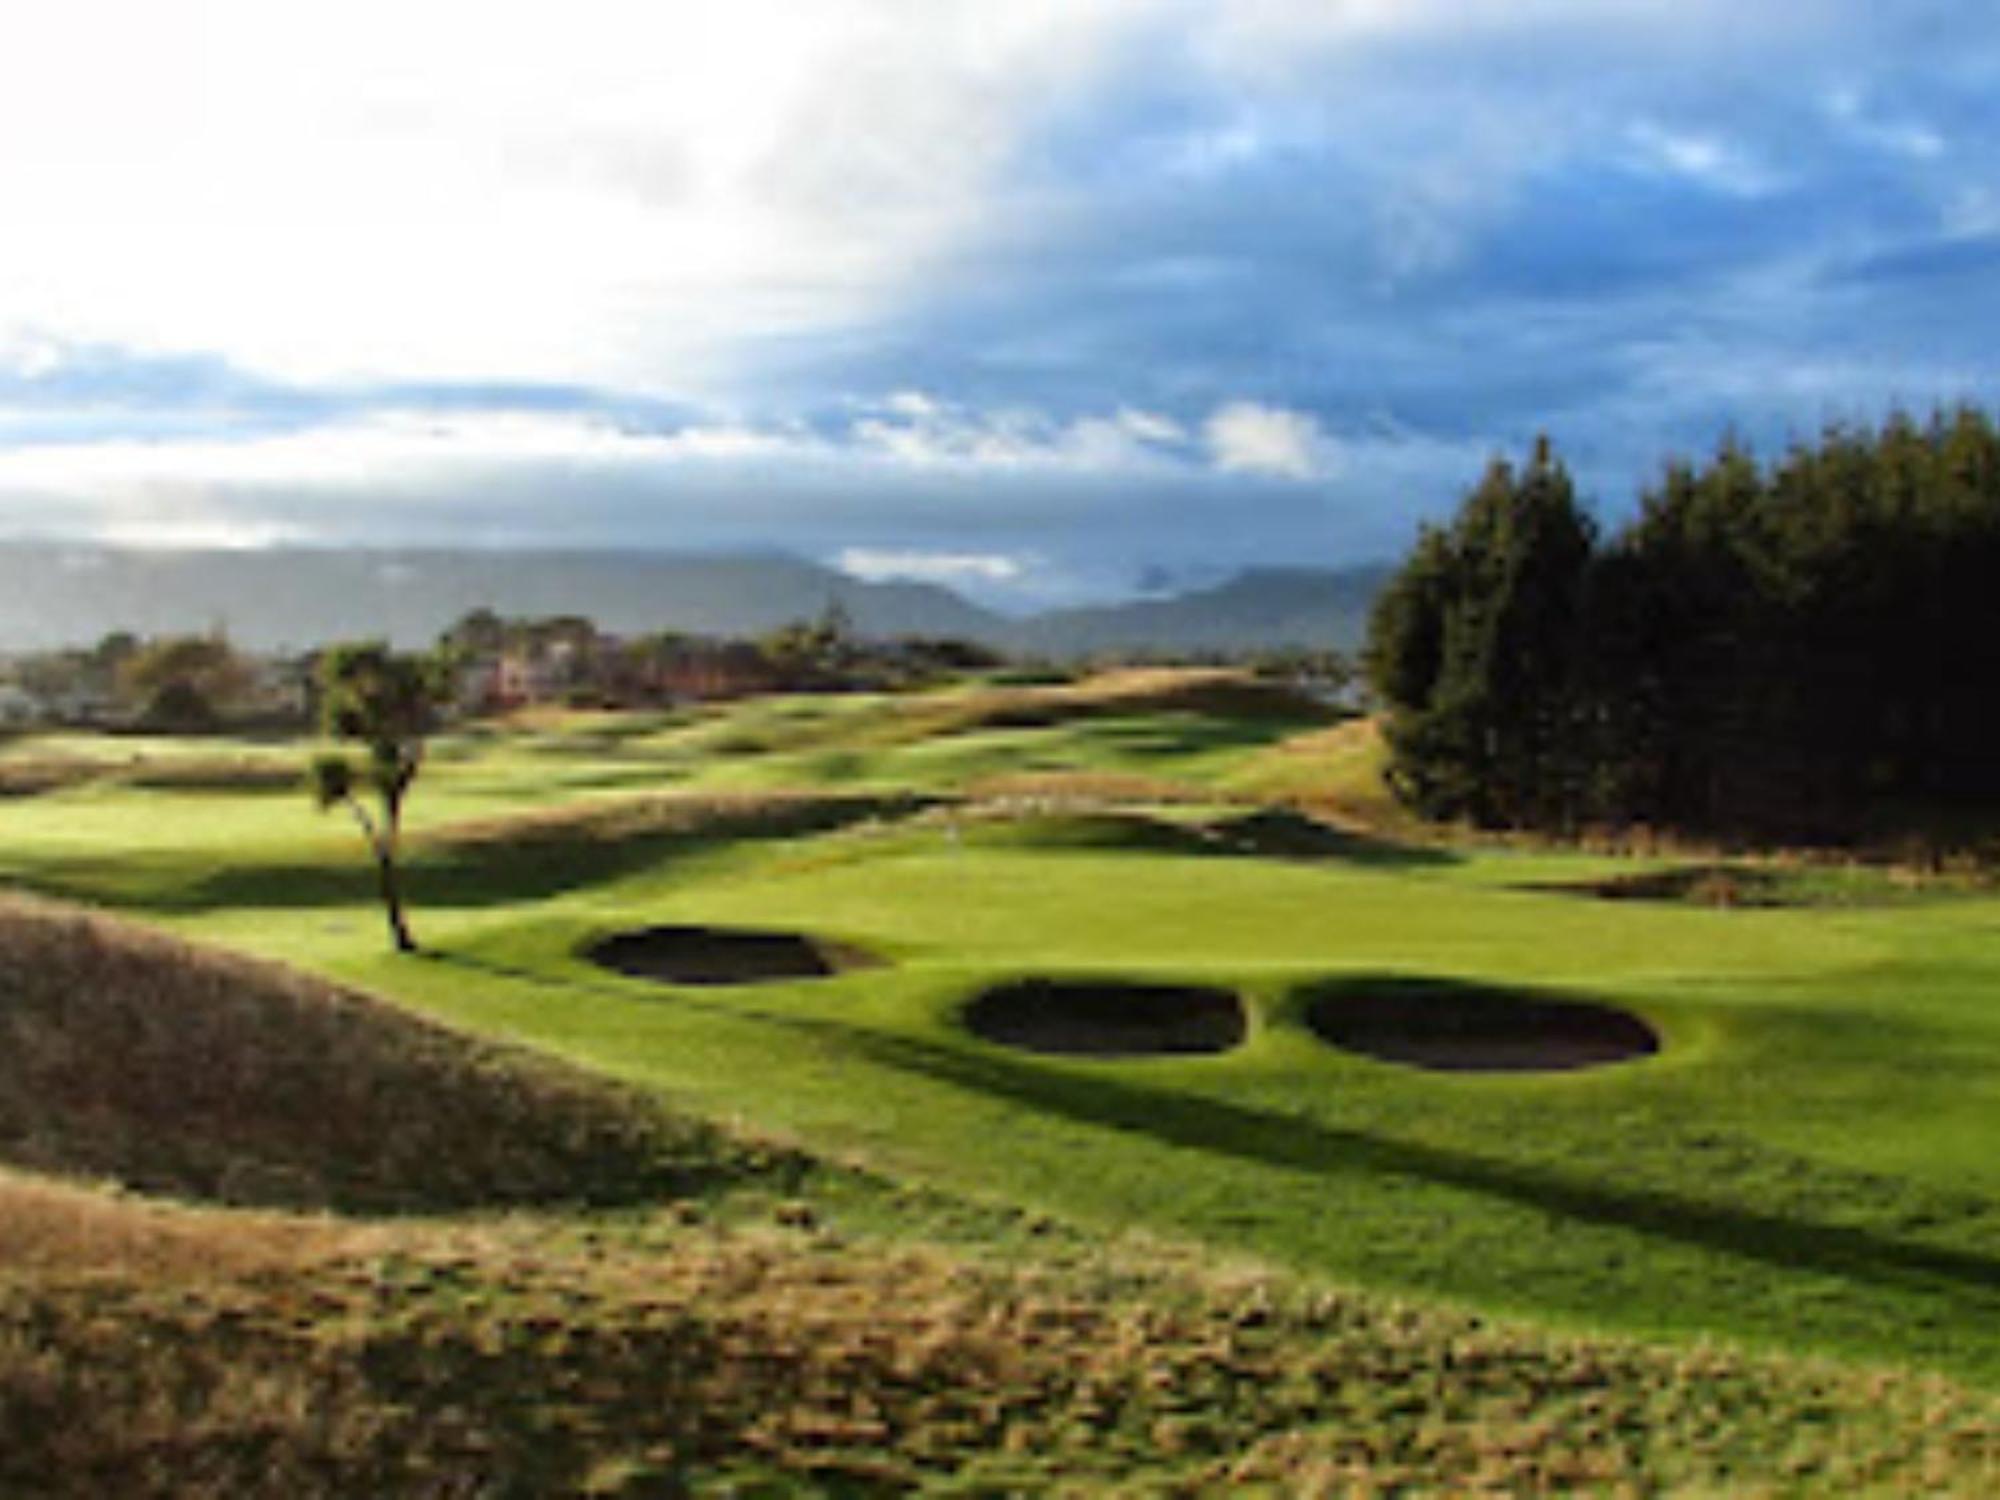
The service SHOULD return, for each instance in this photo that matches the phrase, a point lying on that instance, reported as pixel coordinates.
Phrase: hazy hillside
(54, 594)
(1258, 607)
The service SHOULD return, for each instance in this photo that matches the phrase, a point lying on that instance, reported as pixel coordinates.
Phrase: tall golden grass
(529, 1357)
(128, 1055)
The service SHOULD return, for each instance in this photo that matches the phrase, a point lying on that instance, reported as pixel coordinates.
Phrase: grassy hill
(1758, 1260)
(163, 1351)
(132, 1056)
(56, 594)
(1260, 607)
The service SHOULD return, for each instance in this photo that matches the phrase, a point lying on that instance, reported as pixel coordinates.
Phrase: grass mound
(1220, 692)
(720, 956)
(216, 773)
(1107, 1018)
(129, 1055)
(1695, 885)
(34, 776)
(1207, 693)
(527, 1358)
(1728, 884)
(1463, 1028)
(717, 819)
(52, 1228)
(1052, 824)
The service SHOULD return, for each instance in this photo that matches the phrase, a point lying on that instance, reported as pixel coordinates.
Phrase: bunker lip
(1460, 1028)
(1720, 885)
(1107, 1018)
(691, 955)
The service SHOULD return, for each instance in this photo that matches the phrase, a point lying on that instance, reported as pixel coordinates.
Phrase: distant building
(84, 704)
(281, 687)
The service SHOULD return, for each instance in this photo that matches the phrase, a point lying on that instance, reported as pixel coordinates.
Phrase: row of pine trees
(1796, 649)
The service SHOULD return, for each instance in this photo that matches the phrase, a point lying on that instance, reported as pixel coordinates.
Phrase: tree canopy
(1781, 649)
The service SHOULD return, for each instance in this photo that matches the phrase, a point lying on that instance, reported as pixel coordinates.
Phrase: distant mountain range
(1258, 607)
(54, 594)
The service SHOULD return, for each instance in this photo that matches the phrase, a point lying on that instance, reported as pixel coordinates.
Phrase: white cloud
(913, 404)
(626, 193)
(376, 448)
(1704, 158)
(924, 432)
(875, 563)
(29, 356)
(1899, 136)
(204, 489)
(477, 188)
(1043, 523)
(1149, 426)
(1245, 437)
(193, 526)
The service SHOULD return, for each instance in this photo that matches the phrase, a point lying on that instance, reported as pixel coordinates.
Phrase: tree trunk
(382, 844)
(391, 876)
(389, 879)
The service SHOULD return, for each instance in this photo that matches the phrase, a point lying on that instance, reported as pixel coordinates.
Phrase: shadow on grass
(1271, 1139)
(1281, 833)
(1269, 833)
(530, 858)
(1266, 1138)
(522, 860)
(165, 886)
(1170, 737)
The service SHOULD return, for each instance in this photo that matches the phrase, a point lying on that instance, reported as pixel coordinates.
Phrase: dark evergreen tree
(1788, 651)
(1472, 650)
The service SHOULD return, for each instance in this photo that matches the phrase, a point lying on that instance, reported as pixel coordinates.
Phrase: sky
(1041, 299)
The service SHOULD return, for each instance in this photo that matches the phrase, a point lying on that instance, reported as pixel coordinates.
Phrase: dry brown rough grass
(538, 1357)
(129, 1055)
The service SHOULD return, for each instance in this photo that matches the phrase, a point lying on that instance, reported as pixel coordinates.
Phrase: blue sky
(1041, 298)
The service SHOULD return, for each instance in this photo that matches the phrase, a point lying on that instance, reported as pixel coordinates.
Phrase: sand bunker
(1466, 1029)
(1104, 1018)
(722, 955)
(1695, 885)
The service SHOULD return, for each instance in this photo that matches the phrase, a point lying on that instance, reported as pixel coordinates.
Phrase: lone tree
(387, 702)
